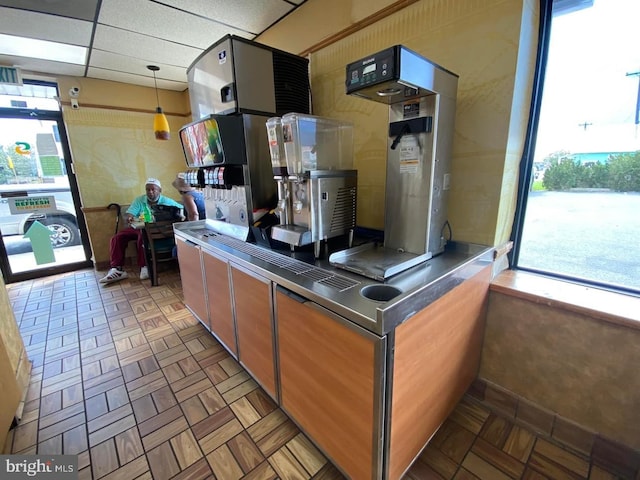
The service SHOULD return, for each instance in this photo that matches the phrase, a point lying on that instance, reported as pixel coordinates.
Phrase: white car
(61, 220)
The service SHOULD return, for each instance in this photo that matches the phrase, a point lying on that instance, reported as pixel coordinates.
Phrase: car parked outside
(61, 220)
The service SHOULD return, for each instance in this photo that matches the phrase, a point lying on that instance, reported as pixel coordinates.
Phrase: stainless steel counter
(376, 306)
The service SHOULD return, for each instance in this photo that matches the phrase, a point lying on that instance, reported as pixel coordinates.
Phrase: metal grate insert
(297, 267)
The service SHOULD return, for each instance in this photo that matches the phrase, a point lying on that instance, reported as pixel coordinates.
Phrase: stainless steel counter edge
(419, 286)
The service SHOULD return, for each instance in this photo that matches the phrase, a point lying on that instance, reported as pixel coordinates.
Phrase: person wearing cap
(121, 239)
(192, 199)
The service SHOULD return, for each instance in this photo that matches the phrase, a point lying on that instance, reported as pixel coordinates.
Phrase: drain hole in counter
(380, 293)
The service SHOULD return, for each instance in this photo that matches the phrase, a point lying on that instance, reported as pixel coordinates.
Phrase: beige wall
(490, 44)
(114, 150)
(569, 363)
(112, 142)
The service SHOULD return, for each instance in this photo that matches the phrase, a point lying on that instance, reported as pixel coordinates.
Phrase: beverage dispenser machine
(230, 153)
(316, 183)
(422, 97)
(235, 86)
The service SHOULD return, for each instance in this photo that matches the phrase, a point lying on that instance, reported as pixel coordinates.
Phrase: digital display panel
(369, 68)
(201, 143)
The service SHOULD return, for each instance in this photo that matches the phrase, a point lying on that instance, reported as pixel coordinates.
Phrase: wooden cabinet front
(254, 325)
(328, 384)
(193, 287)
(436, 357)
(221, 321)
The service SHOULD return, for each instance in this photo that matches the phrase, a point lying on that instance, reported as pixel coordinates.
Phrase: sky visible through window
(588, 110)
(589, 101)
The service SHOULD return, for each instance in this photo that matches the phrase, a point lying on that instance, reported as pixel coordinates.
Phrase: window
(579, 207)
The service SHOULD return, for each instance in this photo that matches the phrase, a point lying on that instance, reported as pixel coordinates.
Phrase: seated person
(192, 199)
(119, 241)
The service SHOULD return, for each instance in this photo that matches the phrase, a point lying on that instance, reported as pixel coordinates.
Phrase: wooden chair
(159, 244)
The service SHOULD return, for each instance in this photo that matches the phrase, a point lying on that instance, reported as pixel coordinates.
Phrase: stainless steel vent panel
(297, 267)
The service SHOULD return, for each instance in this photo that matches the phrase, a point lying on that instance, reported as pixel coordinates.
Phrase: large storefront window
(580, 210)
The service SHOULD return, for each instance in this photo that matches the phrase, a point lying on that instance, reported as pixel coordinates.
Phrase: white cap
(153, 181)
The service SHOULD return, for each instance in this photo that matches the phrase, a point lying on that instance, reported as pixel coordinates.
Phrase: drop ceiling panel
(134, 79)
(113, 61)
(152, 50)
(124, 36)
(43, 66)
(82, 9)
(253, 16)
(151, 19)
(45, 27)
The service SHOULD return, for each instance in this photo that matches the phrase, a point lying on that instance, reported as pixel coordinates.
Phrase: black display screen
(372, 70)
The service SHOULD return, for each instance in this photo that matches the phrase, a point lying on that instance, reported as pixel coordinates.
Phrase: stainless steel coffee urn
(422, 97)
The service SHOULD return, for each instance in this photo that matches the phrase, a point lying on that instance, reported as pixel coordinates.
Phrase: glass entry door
(41, 225)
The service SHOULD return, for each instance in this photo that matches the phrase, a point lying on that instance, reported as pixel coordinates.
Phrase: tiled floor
(127, 379)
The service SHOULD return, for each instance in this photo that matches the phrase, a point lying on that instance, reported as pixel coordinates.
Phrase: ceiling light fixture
(53, 51)
(160, 123)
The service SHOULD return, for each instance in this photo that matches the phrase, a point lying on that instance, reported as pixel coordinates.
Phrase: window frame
(526, 162)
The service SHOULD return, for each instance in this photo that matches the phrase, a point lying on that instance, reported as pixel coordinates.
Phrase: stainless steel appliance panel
(323, 207)
(236, 75)
(254, 83)
(397, 74)
(225, 79)
(206, 78)
(333, 203)
(409, 182)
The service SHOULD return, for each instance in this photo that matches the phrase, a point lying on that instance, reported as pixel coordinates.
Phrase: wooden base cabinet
(193, 286)
(436, 356)
(254, 324)
(369, 402)
(328, 383)
(216, 273)
(372, 403)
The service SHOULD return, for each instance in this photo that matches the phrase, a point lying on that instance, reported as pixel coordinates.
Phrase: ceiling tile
(252, 16)
(45, 27)
(151, 19)
(124, 36)
(149, 49)
(113, 61)
(43, 66)
(82, 9)
(134, 79)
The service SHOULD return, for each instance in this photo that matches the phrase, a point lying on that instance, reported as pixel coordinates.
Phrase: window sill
(603, 305)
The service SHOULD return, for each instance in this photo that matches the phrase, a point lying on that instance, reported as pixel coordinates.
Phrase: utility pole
(636, 74)
(585, 125)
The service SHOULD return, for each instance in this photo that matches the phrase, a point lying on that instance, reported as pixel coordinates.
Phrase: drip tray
(374, 261)
(297, 267)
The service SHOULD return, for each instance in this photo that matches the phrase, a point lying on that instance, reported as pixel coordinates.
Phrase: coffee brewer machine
(316, 185)
(421, 97)
(235, 86)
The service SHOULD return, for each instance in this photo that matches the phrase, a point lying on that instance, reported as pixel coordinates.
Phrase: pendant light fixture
(160, 123)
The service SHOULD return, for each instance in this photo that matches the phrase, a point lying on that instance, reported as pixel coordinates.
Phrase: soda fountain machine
(422, 97)
(235, 86)
(316, 184)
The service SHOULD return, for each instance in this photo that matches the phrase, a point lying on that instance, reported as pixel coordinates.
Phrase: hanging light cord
(156, 84)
